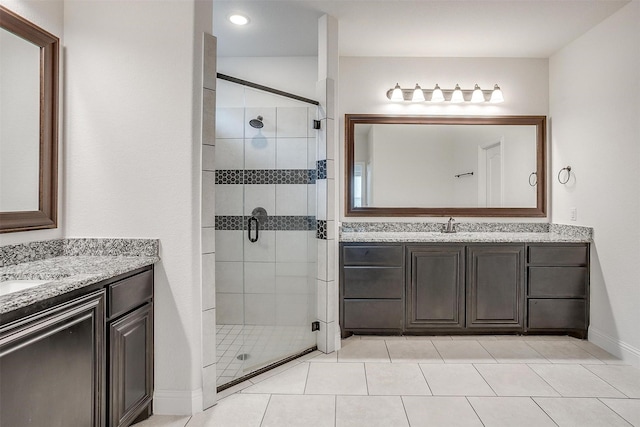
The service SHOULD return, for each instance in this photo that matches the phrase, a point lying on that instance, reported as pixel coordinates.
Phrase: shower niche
(265, 229)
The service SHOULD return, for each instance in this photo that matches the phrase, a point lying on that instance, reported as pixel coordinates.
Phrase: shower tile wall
(270, 282)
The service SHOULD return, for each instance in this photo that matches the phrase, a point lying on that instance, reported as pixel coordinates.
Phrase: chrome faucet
(450, 227)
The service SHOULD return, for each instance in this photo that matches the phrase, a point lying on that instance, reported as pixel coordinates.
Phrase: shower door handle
(253, 219)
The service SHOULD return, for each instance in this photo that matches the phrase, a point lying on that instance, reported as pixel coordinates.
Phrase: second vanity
(431, 283)
(76, 342)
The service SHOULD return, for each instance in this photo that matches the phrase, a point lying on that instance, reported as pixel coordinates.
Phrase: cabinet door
(131, 365)
(52, 367)
(495, 284)
(435, 287)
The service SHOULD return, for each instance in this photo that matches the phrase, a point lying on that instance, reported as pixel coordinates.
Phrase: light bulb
(457, 96)
(437, 95)
(397, 95)
(477, 96)
(238, 19)
(496, 95)
(418, 95)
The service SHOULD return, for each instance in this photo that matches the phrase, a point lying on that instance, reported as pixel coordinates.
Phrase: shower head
(256, 123)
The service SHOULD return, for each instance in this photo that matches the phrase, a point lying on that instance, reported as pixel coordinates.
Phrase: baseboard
(177, 402)
(624, 351)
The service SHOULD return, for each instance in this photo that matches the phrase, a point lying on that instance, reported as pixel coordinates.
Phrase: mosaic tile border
(274, 223)
(321, 229)
(40, 250)
(266, 176)
(321, 168)
(475, 227)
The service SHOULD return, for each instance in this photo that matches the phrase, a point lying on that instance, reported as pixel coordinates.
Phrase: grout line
(366, 381)
(541, 377)
(405, 411)
(613, 410)
(547, 414)
(605, 381)
(425, 379)
(474, 410)
(485, 380)
(265, 410)
(306, 380)
(335, 410)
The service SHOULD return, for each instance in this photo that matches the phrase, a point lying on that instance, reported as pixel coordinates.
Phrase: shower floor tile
(263, 345)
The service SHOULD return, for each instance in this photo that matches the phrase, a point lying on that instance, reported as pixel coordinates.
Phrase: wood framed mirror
(29, 143)
(445, 166)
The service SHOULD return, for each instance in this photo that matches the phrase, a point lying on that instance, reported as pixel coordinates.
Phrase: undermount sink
(11, 286)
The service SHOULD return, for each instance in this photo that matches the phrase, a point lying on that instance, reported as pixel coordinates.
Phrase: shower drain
(243, 356)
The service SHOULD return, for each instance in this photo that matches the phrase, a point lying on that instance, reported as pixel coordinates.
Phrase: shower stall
(265, 227)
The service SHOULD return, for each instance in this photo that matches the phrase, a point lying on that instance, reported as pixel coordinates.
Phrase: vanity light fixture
(418, 94)
(396, 93)
(238, 19)
(456, 95)
(437, 95)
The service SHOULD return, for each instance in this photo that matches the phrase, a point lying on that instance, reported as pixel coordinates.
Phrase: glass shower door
(265, 212)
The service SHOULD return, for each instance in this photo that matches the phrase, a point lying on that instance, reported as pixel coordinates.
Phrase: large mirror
(28, 125)
(445, 166)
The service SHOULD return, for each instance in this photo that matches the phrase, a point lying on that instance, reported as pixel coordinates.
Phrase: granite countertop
(72, 265)
(470, 237)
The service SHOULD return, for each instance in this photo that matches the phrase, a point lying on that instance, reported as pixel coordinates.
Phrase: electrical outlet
(573, 212)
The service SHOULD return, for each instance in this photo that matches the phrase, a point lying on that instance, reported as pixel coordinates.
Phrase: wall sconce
(455, 95)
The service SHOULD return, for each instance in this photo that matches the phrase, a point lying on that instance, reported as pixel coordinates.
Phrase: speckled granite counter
(69, 265)
(504, 233)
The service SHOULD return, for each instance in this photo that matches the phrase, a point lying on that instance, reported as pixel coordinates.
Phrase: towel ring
(535, 182)
(568, 169)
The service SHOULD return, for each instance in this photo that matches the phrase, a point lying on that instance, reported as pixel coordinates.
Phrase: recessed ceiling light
(238, 19)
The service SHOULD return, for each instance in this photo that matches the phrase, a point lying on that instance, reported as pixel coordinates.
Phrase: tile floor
(263, 344)
(435, 381)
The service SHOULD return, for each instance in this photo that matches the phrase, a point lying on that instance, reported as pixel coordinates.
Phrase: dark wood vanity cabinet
(52, 366)
(495, 287)
(558, 288)
(437, 288)
(87, 361)
(130, 340)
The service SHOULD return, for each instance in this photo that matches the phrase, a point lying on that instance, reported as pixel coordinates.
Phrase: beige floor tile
(291, 381)
(429, 337)
(514, 380)
(413, 351)
(395, 379)
(296, 411)
(238, 410)
(370, 411)
(364, 351)
(164, 421)
(580, 412)
(438, 411)
(463, 352)
(325, 358)
(382, 337)
(600, 353)
(575, 381)
(624, 378)
(510, 412)
(336, 378)
(629, 409)
(512, 351)
(455, 380)
(563, 352)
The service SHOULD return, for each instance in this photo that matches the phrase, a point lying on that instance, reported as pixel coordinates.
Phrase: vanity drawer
(129, 293)
(373, 282)
(558, 255)
(557, 281)
(557, 314)
(372, 255)
(372, 314)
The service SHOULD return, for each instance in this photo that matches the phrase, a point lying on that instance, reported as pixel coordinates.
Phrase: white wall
(49, 16)
(364, 82)
(297, 75)
(595, 128)
(132, 137)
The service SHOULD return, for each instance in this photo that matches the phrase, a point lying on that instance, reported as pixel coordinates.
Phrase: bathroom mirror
(445, 166)
(28, 125)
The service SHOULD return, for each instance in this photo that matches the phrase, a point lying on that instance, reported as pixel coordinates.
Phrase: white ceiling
(429, 28)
